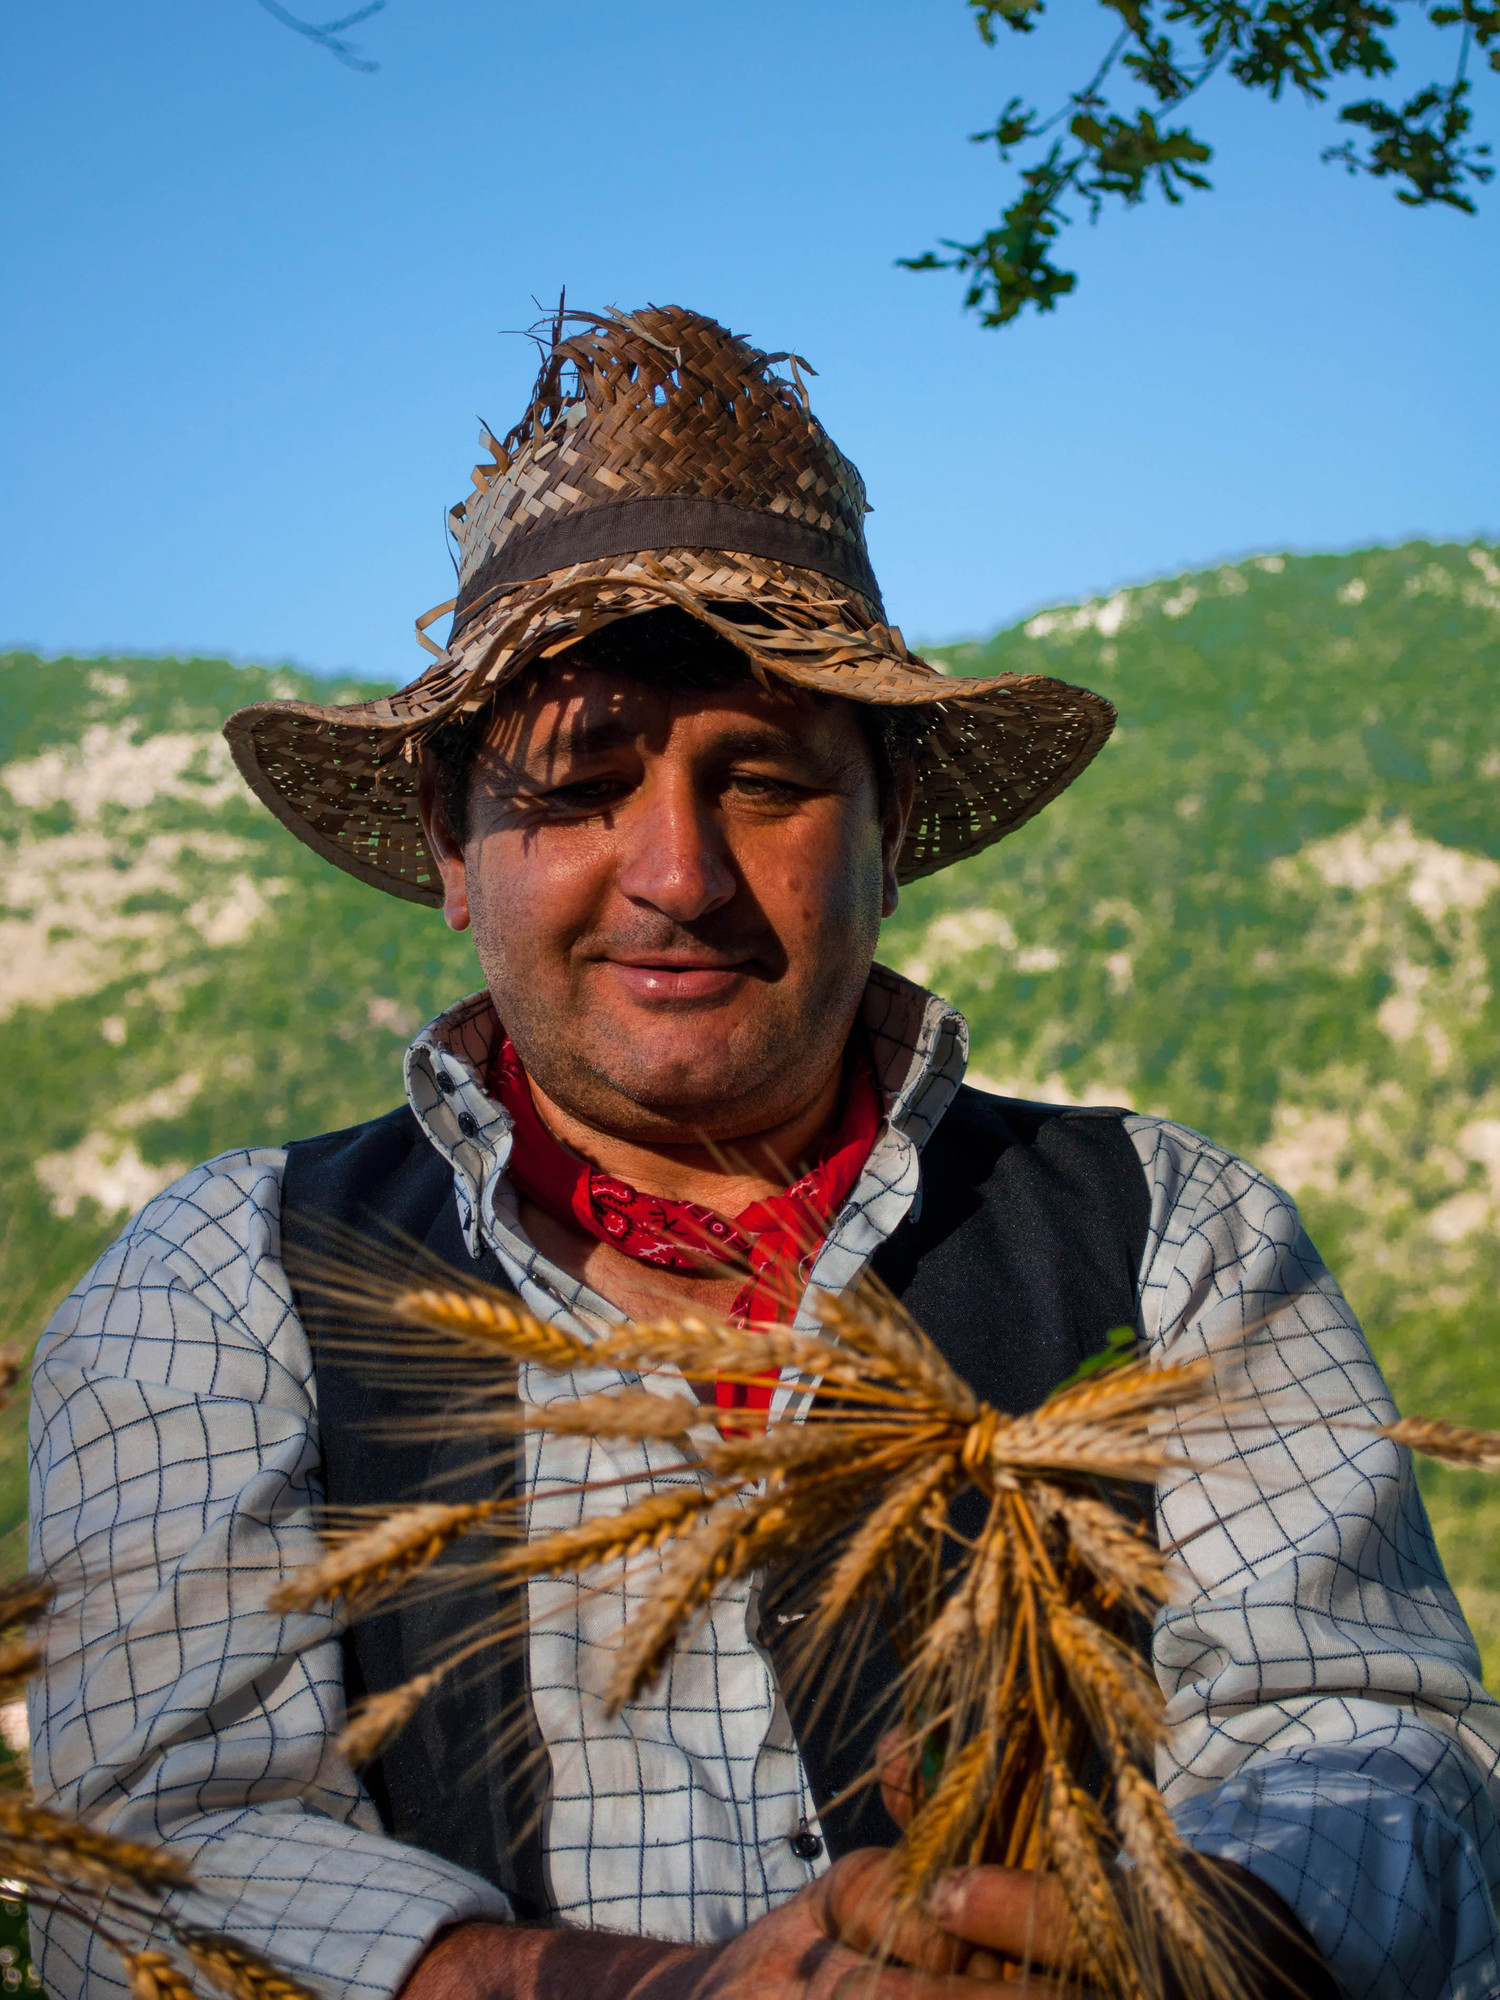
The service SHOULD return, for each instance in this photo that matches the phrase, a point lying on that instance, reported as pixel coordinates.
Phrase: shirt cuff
(1390, 1888)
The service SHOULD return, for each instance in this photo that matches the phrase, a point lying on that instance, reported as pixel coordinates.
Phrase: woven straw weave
(638, 421)
(677, 407)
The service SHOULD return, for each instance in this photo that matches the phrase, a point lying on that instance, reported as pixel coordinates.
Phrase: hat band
(676, 521)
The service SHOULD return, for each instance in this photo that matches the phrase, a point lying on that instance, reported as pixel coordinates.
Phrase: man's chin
(679, 1086)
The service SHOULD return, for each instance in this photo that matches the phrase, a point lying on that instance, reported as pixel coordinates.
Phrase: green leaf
(1120, 1345)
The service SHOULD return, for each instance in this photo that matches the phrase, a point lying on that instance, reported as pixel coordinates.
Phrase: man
(671, 769)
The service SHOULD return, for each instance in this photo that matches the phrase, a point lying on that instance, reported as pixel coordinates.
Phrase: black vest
(1022, 1252)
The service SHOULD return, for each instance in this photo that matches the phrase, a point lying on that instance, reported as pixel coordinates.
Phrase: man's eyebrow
(766, 740)
(597, 738)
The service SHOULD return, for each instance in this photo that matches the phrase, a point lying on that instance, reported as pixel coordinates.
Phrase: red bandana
(777, 1239)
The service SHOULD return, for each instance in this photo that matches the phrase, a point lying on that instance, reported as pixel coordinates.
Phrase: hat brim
(994, 752)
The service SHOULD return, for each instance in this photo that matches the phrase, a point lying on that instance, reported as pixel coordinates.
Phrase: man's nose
(673, 853)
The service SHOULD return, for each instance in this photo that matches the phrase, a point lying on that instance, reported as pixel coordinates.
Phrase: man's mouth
(677, 979)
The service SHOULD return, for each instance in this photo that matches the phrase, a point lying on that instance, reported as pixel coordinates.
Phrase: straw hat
(663, 461)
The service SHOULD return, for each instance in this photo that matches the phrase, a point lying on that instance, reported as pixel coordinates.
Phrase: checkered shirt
(1328, 1728)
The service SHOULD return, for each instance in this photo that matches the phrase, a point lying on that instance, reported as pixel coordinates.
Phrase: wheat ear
(1095, 1450)
(25, 1599)
(621, 1413)
(940, 1826)
(396, 1549)
(615, 1538)
(711, 1555)
(1138, 1388)
(237, 1970)
(19, 1660)
(1116, 1693)
(703, 1352)
(1117, 1553)
(1074, 1831)
(153, 1976)
(1449, 1444)
(879, 1534)
(380, 1718)
(40, 1847)
(900, 1352)
(495, 1322)
(1149, 1836)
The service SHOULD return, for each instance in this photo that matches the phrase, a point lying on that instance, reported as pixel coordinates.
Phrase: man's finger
(1014, 1911)
(857, 1906)
(893, 1766)
(863, 1981)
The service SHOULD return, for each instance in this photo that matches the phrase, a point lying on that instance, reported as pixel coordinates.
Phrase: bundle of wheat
(1029, 1714)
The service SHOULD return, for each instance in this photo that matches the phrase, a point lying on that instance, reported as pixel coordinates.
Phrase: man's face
(675, 896)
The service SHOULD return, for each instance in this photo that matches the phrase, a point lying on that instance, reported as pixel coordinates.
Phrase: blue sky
(254, 304)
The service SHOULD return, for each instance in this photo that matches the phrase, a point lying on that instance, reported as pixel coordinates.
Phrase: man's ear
(444, 849)
(893, 832)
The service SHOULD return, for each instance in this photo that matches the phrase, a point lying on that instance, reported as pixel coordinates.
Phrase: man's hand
(812, 1948)
(1015, 1914)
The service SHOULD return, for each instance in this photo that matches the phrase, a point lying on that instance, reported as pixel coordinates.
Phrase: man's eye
(586, 792)
(756, 784)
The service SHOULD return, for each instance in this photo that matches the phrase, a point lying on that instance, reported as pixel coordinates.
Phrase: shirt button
(805, 1844)
(443, 1081)
(466, 1124)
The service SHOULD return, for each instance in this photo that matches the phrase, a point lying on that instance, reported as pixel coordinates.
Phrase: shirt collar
(919, 1047)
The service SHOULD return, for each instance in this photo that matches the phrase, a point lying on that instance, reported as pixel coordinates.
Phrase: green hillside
(1271, 909)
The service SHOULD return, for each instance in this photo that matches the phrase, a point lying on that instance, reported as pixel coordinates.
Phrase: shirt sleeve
(174, 1464)
(1328, 1729)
